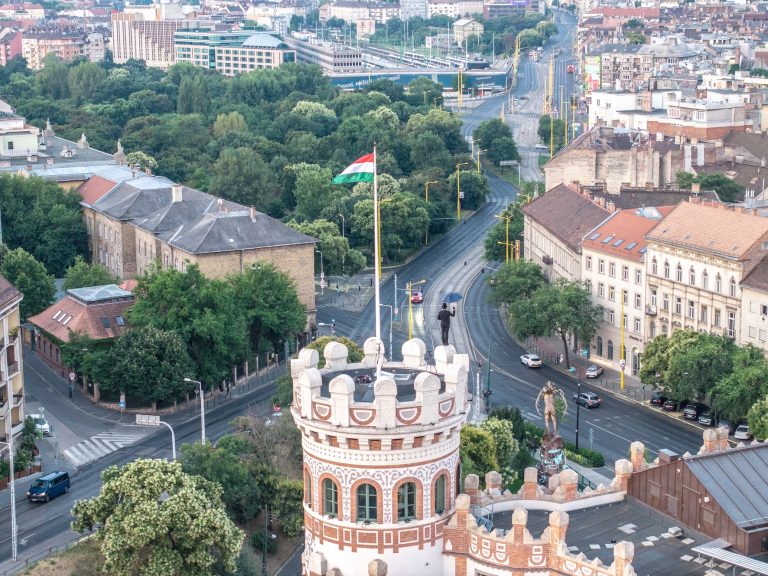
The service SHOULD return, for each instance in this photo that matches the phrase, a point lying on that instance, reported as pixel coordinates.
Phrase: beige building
(696, 260)
(11, 364)
(35, 46)
(464, 28)
(136, 221)
(146, 33)
(554, 226)
(753, 328)
(17, 138)
(613, 263)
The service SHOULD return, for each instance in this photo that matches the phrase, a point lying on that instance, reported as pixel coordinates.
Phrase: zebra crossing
(104, 443)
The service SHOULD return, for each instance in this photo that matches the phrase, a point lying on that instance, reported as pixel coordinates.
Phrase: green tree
(241, 175)
(338, 257)
(84, 80)
(312, 189)
(757, 417)
(473, 185)
(495, 241)
(547, 127)
(425, 92)
(269, 301)
(355, 353)
(477, 451)
(156, 520)
(503, 438)
(141, 161)
(636, 38)
(515, 281)
(193, 95)
(559, 309)
(29, 276)
(82, 274)
(204, 312)
(735, 393)
(288, 506)
(149, 365)
(727, 190)
(53, 79)
(695, 369)
(226, 123)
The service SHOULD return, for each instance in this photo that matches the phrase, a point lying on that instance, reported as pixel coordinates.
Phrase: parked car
(727, 425)
(707, 419)
(742, 432)
(541, 147)
(48, 486)
(674, 405)
(693, 410)
(41, 424)
(658, 398)
(588, 399)
(594, 371)
(530, 360)
(417, 296)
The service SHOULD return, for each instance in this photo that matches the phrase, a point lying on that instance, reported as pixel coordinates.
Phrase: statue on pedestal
(551, 453)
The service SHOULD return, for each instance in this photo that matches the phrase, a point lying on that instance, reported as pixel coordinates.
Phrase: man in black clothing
(445, 321)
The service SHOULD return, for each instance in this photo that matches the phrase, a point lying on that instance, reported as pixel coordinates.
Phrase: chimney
(148, 171)
(176, 190)
(219, 203)
(667, 456)
(253, 213)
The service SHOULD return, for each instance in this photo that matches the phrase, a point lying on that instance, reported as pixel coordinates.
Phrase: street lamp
(584, 353)
(343, 225)
(479, 150)
(517, 164)
(14, 527)
(410, 306)
(322, 273)
(391, 313)
(506, 218)
(458, 188)
(202, 406)
(426, 200)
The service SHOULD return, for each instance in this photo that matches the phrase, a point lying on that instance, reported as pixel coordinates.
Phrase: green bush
(284, 396)
(23, 459)
(257, 541)
(5, 468)
(584, 456)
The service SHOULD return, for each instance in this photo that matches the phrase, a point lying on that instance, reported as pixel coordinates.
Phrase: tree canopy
(156, 520)
(82, 274)
(727, 190)
(31, 279)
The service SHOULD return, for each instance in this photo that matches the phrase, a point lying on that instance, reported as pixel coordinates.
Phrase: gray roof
(99, 293)
(194, 205)
(263, 41)
(136, 198)
(737, 480)
(222, 231)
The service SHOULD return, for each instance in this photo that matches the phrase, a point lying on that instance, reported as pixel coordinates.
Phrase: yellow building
(464, 28)
(11, 376)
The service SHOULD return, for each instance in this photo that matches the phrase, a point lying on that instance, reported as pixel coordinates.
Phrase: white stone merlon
(456, 382)
(427, 387)
(372, 347)
(413, 353)
(310, 382)
(335, 354)
(444, 357)
(342, 390)
(385, 392)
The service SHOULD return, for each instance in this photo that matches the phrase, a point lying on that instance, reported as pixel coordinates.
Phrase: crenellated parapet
(517, 551)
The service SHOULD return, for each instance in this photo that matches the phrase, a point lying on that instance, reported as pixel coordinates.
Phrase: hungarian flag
(361, 170)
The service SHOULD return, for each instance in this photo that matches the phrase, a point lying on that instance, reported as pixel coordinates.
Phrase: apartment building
(753, 328)
(10, 45)
(454, 8)
(464, 28)
(17, 138)
(231, 52)
(613, 264)
(37, 44)
(147, 33)
(22, 11)
(414, 8)
(350, 11)
(331, 56)
(11, 366)
(699, 120)
(502, 8)
(697, 257)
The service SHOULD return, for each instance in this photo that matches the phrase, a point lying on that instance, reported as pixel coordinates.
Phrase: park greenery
(184, 325)
(509, 227)
(549, 128)
(494, 137)
(727, 190)
(272, 139)
(30, 277)
(539, 309)
(700, 367)
(83, 274)
(154, 519)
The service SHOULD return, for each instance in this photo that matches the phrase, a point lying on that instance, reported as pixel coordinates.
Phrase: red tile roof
(624, 234)
(97, 320)
(8, 293)
(94, 188)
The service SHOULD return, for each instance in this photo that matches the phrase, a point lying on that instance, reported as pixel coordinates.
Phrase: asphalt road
(42, 526)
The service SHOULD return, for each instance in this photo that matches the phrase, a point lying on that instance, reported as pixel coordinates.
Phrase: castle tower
(381, 458)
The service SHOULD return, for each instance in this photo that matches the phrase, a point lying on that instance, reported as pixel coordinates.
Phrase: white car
(41, 424)
(530, 360)
(742, 433)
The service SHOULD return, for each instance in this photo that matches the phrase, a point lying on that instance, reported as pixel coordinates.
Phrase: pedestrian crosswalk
(102, 444)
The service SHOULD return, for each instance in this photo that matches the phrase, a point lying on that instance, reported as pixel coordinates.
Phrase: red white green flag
(361, 170)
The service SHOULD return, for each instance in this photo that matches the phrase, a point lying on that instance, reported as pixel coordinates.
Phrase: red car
(417, 297)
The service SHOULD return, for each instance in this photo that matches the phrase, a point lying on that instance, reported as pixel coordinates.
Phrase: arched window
(679, 273)
(664, 328)
(366, 503)
(705, 280)
(308, 488)
(406, 502)
(718, 284)
(439, 495)
(599, 345)
(610, 350)
(330, 498)
(692, 277)
(732, 287)
(666, 269)
(654, 267)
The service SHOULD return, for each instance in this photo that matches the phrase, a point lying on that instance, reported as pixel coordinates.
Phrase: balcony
(650, 310)
(547, 260)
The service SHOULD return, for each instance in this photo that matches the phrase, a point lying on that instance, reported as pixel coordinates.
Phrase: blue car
(48, 486)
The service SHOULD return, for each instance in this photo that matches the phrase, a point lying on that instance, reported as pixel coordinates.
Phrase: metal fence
(29, 561)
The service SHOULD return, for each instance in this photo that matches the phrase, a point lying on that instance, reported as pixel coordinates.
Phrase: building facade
(330, 56)
(17, 138)
(36, 45)
(231, 53)
(10, 45)
(464, 28)
(11, 363)
(695, 264)
(147, 33)
(753, 327)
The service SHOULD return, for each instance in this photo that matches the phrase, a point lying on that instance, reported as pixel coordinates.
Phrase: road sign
(122, 400)
(322, 283)
(623, 363)
(461, 194)
(507, 162)
(147, 420)
(72, 376)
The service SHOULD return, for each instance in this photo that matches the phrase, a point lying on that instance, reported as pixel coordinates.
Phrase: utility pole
(551, 95)
(426, 200)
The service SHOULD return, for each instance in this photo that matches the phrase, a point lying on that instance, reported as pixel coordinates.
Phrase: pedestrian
(465, 262)
(70, 390)
(445, 322)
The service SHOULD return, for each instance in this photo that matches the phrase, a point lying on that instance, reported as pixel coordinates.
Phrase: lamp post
(458, 188)
(584, 353)
(426, 200)
(391, 315)
(479, 150)
(202, 406)
(322, 274)
(410, 306)
(506, 218)
(517, 164)
(487, 392)
(12, 485)
(343, 225)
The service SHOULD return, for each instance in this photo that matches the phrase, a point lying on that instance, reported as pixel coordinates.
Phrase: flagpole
(376, 268)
